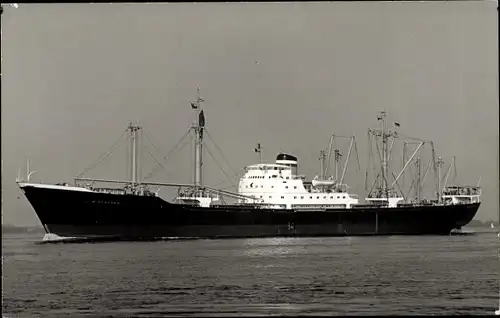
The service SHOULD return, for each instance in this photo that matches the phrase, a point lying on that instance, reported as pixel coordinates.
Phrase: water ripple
(318, 276)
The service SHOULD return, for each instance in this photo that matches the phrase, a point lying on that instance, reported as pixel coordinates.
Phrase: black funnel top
(284, 156)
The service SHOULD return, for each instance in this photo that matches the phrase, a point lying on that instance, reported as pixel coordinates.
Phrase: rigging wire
(400, 190)
(127, 163)
(217, 147)
(230, 187)
(141, 154)
(217, 185)
(220, 167)
(372, 139)
(411, 138)
(222, 182)
(411, 168)
(112, 148)
(157, 168)
(369, 161)
(425, 173)
(167, 157)
(403, 161)
(357, 159)
(382, 177)
(357, 154)
(455, 173)
(152, 156)
(411, 187)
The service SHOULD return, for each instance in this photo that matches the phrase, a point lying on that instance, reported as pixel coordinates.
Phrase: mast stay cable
(167, 157)
(220, 167)
(152, 156)
(112, 148)
(220, 151)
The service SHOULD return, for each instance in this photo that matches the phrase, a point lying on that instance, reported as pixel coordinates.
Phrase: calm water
(317, 276)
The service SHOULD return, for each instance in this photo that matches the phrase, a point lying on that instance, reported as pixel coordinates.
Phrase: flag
(396, 124)
(201, 123)
(194, 105)
(201, 119)
(257, 149)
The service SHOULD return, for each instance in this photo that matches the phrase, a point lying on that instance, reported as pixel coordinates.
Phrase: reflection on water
(249, 277)
(273, 247)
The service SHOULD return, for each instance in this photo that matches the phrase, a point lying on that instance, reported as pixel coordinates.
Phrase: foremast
(133, 129)
(198, 127)
(381, 189)
(384, 134)
(198, 192)
(385, 187)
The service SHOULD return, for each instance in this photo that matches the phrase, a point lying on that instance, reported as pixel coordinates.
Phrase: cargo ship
(272, 199)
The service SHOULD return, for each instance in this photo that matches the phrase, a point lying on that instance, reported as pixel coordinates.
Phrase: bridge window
(331, 197)
(270, 197)
(282, 197)
(295, 187)
(301, 197)
(317, 197)
(343, 197)
(286, 187)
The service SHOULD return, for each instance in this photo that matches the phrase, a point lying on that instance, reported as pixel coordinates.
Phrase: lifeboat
(323, 183)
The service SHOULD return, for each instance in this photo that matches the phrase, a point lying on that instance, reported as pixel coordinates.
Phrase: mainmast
(382, 116)
(439, 165)
(418, 188)
(198, 128)
(381, 181)
(385, 151)
(133, 153)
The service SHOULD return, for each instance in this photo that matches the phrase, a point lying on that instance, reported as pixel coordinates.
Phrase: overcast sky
(286, 75)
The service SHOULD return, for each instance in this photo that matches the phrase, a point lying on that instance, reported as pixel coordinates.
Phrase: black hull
(97, 215)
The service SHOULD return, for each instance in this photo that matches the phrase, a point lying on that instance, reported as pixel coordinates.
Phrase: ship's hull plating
(99, 215)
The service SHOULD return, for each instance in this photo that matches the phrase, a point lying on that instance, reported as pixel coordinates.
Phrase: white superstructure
(279, 186)
(455, 194)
